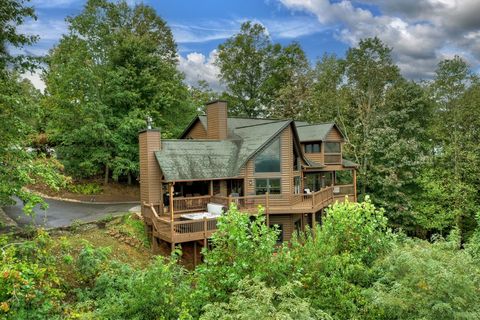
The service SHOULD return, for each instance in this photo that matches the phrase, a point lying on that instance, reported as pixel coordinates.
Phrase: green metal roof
(188, 159)
(193, 159)
(197, 159)
(349, 164)
(314, 132)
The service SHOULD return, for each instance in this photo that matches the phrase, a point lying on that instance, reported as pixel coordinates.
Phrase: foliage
(19, 112)
(420, 280)
(254, 300)
(85, 188)
(241, 246)
(13, 14)
(262, 78)
(29, 282)
(335, 266)
(158, 292)
(91, 261)
(116, 65)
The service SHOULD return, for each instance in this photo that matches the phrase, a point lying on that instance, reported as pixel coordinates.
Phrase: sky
(421, 32)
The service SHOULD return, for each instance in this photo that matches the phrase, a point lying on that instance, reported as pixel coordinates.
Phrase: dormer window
(312, 147)
(333, 152)
(268, 160)
(332, 147)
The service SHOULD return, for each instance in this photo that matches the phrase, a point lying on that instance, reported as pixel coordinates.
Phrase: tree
(262, 78)
(328, 95)
(420, 280)
(19, 112)
(450, 180)
(370, 72)
(116, 66)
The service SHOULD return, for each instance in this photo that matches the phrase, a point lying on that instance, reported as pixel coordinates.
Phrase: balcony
(172, 226)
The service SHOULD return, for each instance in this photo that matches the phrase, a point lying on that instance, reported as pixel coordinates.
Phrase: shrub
(241, 247)
(254, 300)
(420, 280)
(159, 292)
(29, 283)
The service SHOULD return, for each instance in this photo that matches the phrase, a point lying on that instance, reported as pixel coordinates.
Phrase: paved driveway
(63, 213)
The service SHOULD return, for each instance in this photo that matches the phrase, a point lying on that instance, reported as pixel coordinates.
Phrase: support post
(267, 206)
(313, 200)
(194, 254)
(211, 188)
(172, 218)
(313, 224)
(354, 185)
(204, 231)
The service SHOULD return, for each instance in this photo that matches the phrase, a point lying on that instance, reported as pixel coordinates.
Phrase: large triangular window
(268, 160)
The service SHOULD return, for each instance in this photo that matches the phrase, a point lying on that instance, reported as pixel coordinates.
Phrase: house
(291, 168)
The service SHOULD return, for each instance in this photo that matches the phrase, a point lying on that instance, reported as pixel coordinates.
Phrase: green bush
(91, 261)
(85, 188)
(160, 291)
(254, 300)
(421, 280)
(30, 287)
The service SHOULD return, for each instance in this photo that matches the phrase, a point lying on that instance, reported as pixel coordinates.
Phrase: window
(268, 160)
(271, 185)
(332, 147)
(312, 147)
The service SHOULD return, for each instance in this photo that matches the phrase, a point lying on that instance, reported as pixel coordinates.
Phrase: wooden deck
(180, 230)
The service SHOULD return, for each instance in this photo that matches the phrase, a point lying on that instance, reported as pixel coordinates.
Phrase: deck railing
(186, 204)
(181, 230)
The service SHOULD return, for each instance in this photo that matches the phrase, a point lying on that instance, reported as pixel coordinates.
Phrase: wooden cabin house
(292, 168)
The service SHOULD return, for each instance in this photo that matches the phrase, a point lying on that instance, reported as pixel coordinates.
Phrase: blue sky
(421, 32)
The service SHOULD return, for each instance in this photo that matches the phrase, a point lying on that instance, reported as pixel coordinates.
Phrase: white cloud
(197, 66)
(284, 28)
(420, 31)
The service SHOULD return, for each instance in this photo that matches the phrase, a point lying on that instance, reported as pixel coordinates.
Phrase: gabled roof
(315, 132)
(196, 159)
(306, 131)
(187, 159)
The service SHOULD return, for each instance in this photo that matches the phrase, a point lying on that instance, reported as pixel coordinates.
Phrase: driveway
(63, 213)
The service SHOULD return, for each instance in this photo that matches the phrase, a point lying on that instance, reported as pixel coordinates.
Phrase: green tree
(420, 280)
(335, 265)
(19, 112)
(262, 78)
(450, 179)
(328, 95)
(116, 65)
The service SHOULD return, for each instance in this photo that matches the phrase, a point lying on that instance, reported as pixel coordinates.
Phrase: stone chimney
(150, 174)
(217, 120)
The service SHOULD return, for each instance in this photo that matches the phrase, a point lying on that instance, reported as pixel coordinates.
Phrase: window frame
(333, 142)
(276, 140)
(268, 185)
(310, 147)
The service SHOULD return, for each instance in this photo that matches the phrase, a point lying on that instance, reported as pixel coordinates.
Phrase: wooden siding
(150, 174)
(217, 120)
(288, 223)
(285, 174)
(197, 131)
(317, 156)
(334, 135)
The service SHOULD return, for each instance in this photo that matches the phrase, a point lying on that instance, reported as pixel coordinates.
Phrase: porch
(173, 226)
